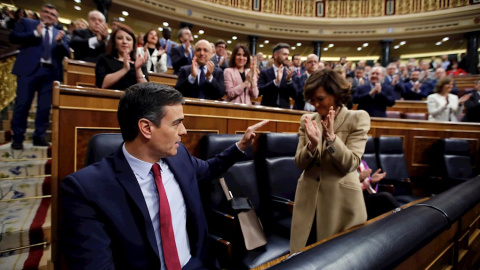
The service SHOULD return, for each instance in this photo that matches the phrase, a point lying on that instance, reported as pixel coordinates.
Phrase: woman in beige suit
(240, 80)
(329, 198)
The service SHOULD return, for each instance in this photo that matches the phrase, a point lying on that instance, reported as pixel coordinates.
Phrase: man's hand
(39, 29)
(290, 72)
(60, 36)
(278, 79)
(210, 68)
(313, 133)
(249, 136)
(194, 67)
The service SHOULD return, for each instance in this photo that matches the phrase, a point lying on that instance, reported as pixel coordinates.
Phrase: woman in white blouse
(443, 106)
(156, 56)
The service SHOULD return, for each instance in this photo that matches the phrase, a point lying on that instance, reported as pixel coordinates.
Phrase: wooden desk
(81, 73)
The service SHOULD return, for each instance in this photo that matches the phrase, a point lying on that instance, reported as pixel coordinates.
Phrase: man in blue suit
(167, 44)
(112, 216)
(275, 84)
(201, 79)
(182, 55)
(375, 97)
(39, 63)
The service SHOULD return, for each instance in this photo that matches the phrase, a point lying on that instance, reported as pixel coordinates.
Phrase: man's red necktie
(170, 254)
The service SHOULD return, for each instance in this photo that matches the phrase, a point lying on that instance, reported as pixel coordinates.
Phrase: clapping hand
(210, 67)
(313, 133)
(327, 124)
(194, 67)
(141, 60)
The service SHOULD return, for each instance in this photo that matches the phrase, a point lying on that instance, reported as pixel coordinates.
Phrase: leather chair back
(456, 158)
(102, 145)
(370, 154)
(391, 158)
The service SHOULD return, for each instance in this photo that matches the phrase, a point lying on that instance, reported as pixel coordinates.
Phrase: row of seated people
(268, 177)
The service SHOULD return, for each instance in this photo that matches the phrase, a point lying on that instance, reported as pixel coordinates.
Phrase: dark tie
(46, 45)
(170, 254)
(298, 72)
(202, 77)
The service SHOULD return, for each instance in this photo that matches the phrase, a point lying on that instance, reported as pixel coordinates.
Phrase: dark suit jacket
(429, 87)
(179, 59)
(105, 220)
(409, 94)
(271, 93)
(376, 106)
(214, 60)
(299, 98)
(472, 107)
(31, 49)
(80, 46)
(211, 90)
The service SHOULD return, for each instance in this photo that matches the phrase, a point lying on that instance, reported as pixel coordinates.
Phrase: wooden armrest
(282, 204)
(222, 250)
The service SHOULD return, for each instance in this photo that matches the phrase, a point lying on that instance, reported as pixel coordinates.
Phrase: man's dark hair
(180, 32)
(280, 46)
(220, 41)
(50, 6)
(360, 68)
(295, 55)
(144, 100)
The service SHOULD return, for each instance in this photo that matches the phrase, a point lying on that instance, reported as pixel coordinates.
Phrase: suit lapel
(127, 179)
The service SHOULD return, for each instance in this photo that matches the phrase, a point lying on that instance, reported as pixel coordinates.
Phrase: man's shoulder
(186, 68)
(83, 32)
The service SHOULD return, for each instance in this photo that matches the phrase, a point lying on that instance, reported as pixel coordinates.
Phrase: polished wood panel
(81, 73)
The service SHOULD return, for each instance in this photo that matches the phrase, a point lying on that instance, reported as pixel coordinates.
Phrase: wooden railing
(81, 73)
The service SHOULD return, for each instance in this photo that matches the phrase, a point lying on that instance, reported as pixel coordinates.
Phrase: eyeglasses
(50, 13)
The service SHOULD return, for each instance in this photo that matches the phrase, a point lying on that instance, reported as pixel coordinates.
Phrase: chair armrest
(282, 204)
(222, 224)
(387, 188)
(222, 249)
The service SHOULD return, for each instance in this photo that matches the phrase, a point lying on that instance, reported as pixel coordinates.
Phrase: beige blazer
(233, 87)
(329, 186)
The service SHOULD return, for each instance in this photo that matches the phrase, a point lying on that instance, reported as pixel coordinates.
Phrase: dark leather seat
(391, 159)
(394, 114)
(276, 165)
(102, 145)
(241, 179)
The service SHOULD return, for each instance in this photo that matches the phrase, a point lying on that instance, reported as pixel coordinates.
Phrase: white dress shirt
(142, 171)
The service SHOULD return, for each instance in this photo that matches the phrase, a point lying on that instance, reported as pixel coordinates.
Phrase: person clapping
(118, 68)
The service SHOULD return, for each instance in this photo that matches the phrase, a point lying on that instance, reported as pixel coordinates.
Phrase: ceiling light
(195, 36)
(125, 13)
(359, 48)
(261, 45)
(330, 45)
(325, 49)
(165, 24)
(229, 41)
(445, 38)
(267, 41)
(201, 32)
(77, 7)
(234, 37)
(77, 1)
(403, 43)
(299, 44)
(293, 48)
(121, 19)
(160, 29)
(365, 44)
(438, 43)
(396, 47)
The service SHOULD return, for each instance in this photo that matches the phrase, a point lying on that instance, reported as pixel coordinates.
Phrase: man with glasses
(311, 66)
(39, 63)
(220, 58)
(89, 43)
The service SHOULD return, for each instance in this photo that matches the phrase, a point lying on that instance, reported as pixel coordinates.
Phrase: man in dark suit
(311, 66)
(201, 79)
(167, 44)
(113, 212)
(275, 84)
(89, 43)
(375, 97)
(182, 55)
(412, 90)
(472, 105)
(39, 63)
(297, 65)
(220, 58)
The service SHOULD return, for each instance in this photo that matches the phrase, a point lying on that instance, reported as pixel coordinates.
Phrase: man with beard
(412, 90)
(374, 97)
(201, 79)
(275, 84)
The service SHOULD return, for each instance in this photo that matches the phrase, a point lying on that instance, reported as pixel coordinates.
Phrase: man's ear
(145, 128)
